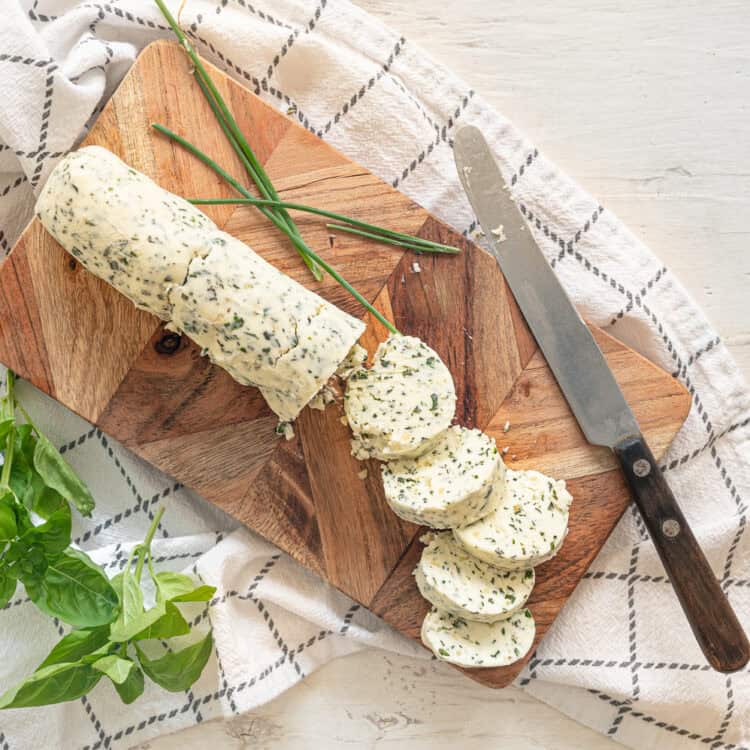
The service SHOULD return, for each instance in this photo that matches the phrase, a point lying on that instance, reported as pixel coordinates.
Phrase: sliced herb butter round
(454, 581)
(526, 528)
(478, 644)
(122, 226)
(451, 484)
(400, 405)
(261, 326)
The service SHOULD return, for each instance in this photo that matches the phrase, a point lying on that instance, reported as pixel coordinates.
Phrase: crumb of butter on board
(499, 233)
(322, 398)
(286, 429)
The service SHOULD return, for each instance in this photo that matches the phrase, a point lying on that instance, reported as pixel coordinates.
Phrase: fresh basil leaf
(36, 489)
(169, 625)
(115, 667)
(132, 687)
(132, 618)
(201, 593)
(105, 650)
(60, 477)
(177, 587)
(116, 582)
(8, 585)
(20, 483)
(25, 442)
(23, 519)
(24, 479)
(53, 536)
(76, 590)
(177, 670)
(27, 563)
(131, 597)
(170, 584)
(77, 644)
(53, 684)
(45, 501)
(8, 525)
(129, 629)
(6, 425)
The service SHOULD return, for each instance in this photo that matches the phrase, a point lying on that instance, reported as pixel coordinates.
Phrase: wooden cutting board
(78, 340)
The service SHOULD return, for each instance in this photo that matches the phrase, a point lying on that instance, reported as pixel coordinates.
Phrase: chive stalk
(144, 549)
(390, 240)
(388, 236)
(238, 140)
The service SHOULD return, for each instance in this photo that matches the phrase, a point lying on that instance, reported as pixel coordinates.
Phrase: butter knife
(597, 401)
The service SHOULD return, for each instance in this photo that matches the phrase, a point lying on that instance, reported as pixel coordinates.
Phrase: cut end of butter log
(455, 482)
(454, 581)
(478, 644)
(526, 528)
(398, 407)
(262, 327)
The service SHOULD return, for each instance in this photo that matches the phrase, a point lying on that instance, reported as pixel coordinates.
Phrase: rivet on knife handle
(709, 613)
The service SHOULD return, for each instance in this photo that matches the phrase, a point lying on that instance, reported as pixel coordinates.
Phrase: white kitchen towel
(620, 657)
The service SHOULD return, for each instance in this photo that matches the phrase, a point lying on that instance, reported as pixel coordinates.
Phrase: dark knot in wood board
(168, 344)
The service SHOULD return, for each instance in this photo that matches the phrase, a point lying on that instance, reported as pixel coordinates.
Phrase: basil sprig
(37, 488)
(112, 625)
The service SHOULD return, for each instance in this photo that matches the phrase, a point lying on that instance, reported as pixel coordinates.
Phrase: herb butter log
(478, 644)
(169, 258)
(457, 481)
(454, 581)
(398, 407)
(526, 528)
(122, 226)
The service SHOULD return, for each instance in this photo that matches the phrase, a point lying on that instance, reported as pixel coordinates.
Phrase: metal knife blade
(571, 351)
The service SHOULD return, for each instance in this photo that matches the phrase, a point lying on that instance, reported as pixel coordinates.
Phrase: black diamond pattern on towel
(441, 136)
(364, 88)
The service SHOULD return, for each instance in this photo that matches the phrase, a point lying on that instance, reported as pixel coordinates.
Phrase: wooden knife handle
(708, 611)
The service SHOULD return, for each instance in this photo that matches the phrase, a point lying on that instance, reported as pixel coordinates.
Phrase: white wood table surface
(646, 105)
